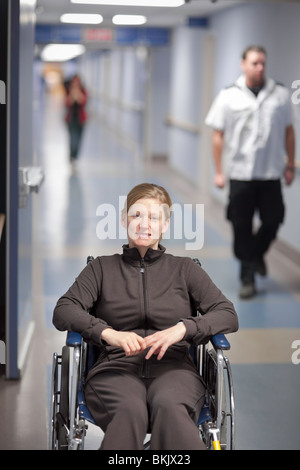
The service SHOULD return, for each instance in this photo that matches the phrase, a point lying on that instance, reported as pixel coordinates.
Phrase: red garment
(82, 111)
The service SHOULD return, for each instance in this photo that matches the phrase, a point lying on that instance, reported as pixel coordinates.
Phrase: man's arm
(218, 143)
(289, 172)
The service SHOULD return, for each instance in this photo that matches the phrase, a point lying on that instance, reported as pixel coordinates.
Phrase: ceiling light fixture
(136, 3)
(61, 52)
(129, 20)
(81, 18)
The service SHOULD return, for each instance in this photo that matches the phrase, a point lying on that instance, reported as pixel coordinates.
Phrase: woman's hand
(161, 340)
(130, 342)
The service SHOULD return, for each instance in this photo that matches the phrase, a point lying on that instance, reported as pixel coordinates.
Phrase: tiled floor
(266, 381)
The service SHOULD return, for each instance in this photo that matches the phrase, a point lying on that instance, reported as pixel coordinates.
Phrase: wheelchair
(69, 415)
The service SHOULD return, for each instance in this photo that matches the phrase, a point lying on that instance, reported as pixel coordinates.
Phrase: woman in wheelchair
(142, 302)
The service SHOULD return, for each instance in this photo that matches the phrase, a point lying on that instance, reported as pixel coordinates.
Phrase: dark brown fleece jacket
(144, 295)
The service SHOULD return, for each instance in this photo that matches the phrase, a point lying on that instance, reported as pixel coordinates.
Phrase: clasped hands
(133, 344)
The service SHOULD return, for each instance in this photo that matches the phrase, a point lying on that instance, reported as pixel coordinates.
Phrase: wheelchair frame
(217, 419)
(69, 412)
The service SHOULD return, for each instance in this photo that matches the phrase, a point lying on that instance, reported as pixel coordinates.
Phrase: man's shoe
(261, 268)
(247, 290)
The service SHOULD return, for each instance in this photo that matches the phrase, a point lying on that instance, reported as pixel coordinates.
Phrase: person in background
(253, 133)
(143, 301)
(76, 115)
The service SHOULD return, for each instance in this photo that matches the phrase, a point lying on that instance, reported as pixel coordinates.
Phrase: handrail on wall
(183, 125)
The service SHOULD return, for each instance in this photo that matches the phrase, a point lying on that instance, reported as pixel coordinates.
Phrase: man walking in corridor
(253, 132)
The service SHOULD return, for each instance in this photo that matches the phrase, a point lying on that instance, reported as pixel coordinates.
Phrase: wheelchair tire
(63, 417)
(53, 403)
(224, 439)
(211, 381)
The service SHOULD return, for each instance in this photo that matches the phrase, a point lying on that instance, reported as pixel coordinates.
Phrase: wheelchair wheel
(211, 380)
(62, 417)
(53, 403)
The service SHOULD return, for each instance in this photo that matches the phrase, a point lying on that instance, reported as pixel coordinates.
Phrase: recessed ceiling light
(129, 19)
(136, 3)
(61, 52)
(81, 18)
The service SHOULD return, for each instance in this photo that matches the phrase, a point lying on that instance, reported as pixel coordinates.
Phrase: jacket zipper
(142, 271)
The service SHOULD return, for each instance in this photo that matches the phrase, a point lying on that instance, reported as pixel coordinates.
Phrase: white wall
(158, 101)
(115, 81)
(184, 100)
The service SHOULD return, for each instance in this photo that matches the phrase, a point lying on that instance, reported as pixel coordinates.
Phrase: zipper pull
(142, 270)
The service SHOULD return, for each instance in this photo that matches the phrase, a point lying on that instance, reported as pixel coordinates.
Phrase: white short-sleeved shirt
(254, 129)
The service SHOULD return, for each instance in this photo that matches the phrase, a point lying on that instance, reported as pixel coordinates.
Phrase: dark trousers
(124, 405)
(246, 198)
(75, 134)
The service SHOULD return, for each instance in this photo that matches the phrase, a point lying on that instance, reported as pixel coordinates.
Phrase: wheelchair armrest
(73, 339)
(220, 342)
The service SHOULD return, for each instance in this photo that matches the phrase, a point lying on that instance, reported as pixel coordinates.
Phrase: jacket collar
(132, 255)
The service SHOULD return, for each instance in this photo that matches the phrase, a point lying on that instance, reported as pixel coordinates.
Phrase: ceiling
(49, 11)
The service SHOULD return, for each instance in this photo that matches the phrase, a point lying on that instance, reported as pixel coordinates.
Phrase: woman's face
(146, 221)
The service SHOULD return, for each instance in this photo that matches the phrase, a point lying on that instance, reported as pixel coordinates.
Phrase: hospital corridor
(141, 104)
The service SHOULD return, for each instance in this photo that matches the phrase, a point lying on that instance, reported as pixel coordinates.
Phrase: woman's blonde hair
(149, 191)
